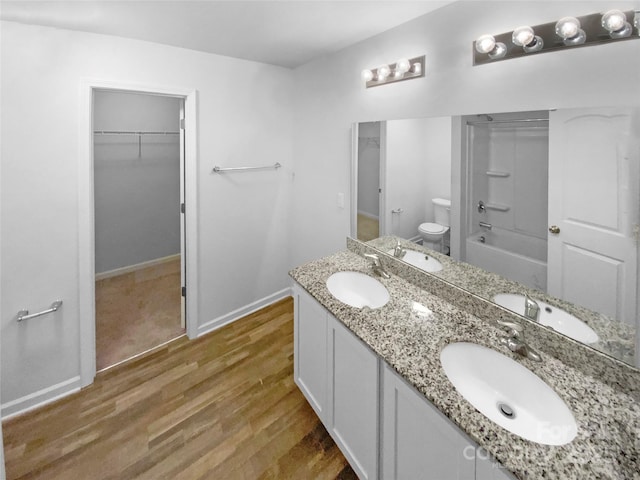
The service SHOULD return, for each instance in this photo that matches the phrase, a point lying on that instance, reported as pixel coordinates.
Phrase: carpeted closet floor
(137, 311)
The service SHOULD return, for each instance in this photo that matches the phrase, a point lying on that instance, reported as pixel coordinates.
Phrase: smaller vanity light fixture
(403, 69)
(568, 32)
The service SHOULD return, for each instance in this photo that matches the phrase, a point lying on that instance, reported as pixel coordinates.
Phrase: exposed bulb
(485, 43)
(615, 22)
(568, 28)
(523, 36)
(636, 21)
(367, 75)
(383, 72)
(499, 51)
(417, 68)
(403, 66)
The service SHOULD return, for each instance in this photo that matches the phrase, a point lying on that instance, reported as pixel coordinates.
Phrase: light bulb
(485, 43)
(367, 75)
(417, 68)
(567, 27)
(402, 66)
(383, 72)
(523, 36)
(499, 51)
(615, 22)
(636, 21)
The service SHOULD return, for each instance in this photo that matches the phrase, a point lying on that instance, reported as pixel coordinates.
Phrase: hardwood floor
(220, 407)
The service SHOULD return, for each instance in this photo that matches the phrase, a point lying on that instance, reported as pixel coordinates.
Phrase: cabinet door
(353, 383)
(310, 351)
(419, 442)
(487, 468)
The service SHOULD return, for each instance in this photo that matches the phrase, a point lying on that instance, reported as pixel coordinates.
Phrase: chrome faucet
(531, 308)
(399, 252)
(514, 341)
(376, 265)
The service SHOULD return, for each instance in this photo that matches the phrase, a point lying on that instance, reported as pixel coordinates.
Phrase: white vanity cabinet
(419, 442)
(310, 366)
(338, 374)
(384, 427)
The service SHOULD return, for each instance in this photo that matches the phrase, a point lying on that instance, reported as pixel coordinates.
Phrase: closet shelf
(497, 173)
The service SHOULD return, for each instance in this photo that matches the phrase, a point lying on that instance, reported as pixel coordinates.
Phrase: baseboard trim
(230, 317)
(40, 398)
(138, 266)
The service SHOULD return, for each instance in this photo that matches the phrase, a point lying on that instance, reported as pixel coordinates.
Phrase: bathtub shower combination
(507, 165)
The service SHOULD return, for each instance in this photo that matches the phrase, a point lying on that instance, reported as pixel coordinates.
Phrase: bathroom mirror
(546, 200)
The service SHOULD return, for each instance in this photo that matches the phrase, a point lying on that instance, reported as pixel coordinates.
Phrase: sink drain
(548, 309)
(506, 410)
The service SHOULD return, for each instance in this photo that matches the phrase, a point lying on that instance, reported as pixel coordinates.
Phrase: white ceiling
(285, 33)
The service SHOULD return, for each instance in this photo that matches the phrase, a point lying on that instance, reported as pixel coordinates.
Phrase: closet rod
(121, 132)
(217, 169)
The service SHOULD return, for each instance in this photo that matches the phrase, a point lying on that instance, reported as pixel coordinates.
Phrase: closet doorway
(138, 168)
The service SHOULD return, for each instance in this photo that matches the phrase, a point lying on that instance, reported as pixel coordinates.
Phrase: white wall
(602, 75)
(244, 118)
(136, 185)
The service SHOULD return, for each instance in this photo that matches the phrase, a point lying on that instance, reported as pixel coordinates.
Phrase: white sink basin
(420, 260)
(358, 290)
(554, 317)
(508, 393)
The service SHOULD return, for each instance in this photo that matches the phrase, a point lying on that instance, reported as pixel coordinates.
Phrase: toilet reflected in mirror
(435, 234)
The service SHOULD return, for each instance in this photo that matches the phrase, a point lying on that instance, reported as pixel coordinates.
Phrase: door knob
(554, 229)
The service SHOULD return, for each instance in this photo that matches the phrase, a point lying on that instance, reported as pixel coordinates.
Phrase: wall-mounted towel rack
(217, 169)
(497, 206)
(24, 314)
(497, 173)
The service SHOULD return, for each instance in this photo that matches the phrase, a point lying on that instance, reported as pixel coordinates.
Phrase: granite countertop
(615, 338)
(607, 445)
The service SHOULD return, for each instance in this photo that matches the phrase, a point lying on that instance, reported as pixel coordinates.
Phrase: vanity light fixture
(403, 69)
(568, 32)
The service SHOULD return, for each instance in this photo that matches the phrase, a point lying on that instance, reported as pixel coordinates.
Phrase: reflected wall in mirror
(543, 204)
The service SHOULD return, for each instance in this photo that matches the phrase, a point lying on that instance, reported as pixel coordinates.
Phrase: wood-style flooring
(224, 406)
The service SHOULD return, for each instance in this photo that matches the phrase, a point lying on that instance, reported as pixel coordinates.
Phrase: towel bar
(24, 314)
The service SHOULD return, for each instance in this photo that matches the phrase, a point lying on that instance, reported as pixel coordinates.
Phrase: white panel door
(310, 351)
(593, 198)
(354, 390)
(419, 442)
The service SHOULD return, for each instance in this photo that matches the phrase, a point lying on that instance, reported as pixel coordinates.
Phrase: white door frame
(86, 237)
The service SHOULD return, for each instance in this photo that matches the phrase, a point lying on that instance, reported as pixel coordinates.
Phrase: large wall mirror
(539, 204)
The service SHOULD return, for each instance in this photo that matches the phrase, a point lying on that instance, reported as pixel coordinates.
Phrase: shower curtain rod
(520, 120)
